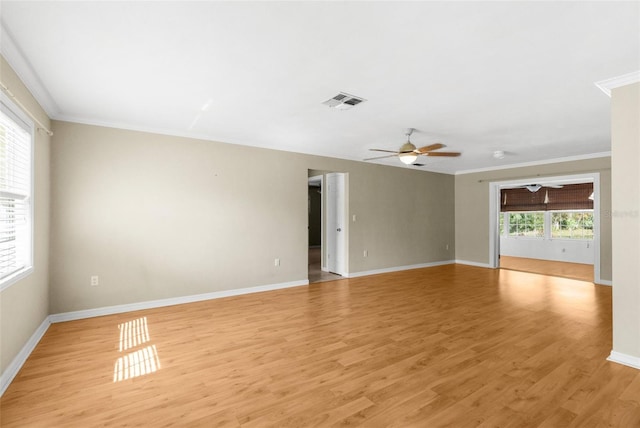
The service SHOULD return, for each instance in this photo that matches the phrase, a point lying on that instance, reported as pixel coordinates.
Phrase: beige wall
(472, 206)
(158, 216)
(625, 144)
(25, 304)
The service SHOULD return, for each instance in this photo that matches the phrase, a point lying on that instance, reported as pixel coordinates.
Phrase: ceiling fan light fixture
(408, 158)
(407, 153)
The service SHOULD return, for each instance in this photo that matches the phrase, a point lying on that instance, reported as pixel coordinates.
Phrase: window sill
(15, 277)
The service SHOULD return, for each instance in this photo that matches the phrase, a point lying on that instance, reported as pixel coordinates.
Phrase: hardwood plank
(445, 346)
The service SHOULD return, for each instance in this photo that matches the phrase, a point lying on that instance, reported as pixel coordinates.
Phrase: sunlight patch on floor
(140, 362)
(133, 333)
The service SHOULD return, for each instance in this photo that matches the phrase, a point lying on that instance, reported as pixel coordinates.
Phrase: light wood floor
(454, 346)
(582, 272)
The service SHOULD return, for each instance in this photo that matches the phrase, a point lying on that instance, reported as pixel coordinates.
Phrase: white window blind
(15, 195)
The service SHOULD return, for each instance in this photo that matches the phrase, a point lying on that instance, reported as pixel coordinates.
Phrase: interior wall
(625, 144)
(25, 304)
(158, 216)
(560, 250)
(472, 206)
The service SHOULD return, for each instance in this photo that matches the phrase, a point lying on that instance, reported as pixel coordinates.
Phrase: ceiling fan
(535, 187)
(408, 153)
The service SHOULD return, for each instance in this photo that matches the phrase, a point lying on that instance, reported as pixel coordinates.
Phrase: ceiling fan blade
(435, 146)
(381, 157)
(386, 151)
(444, 154)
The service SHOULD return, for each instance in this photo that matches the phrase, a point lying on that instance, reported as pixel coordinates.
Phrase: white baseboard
(476, 264)
(603, 282)
(13, 368)
(150, 304)
(16, 364)
(627, 360)
(396, 269)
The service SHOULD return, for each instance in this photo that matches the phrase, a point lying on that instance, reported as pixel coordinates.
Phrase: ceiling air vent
(343, 101)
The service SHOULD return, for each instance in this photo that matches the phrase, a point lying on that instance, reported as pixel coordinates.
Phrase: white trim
(17, 276)
(596, 228)
(209, 137)
(17, 113)
(627, 360)
(14, 56)
(18, 361)
(494, 209)
(470, 263)
(615, 82)
(12, 370)
(396, 269)
(603, 282)
(536, 163)
(150, 304)
(320, 178)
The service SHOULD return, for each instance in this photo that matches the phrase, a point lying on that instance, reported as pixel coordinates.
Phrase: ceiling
(477, 76)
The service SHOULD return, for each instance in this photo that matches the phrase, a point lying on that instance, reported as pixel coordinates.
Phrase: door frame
(344, 263)
(319, 179)
(494, 211)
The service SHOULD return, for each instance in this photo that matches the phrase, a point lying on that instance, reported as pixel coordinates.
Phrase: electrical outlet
(94, 280)
(447, 247)
(366, 253)
(276, 262)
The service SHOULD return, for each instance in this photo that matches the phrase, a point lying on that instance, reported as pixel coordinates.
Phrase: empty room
(318, 213)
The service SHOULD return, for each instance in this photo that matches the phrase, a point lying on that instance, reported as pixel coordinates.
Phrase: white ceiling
(476, 76)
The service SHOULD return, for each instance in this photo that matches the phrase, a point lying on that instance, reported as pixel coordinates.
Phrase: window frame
(16, 114)
(507, 224)
(566, 238)
(504, 224)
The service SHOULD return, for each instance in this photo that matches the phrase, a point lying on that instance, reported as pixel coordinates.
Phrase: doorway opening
(327, 249)
(547, 225)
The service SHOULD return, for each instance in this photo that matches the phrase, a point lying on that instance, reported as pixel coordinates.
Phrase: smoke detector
(343, 101)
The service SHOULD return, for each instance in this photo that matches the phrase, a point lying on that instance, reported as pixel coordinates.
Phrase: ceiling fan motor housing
(407, 147)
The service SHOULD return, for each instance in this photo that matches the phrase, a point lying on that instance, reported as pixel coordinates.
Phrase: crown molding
(16, 59)
(537, 163)
(615, 82)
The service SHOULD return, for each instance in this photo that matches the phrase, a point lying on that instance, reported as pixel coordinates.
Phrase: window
(529, 224)
(572, 224)
(16, 151)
